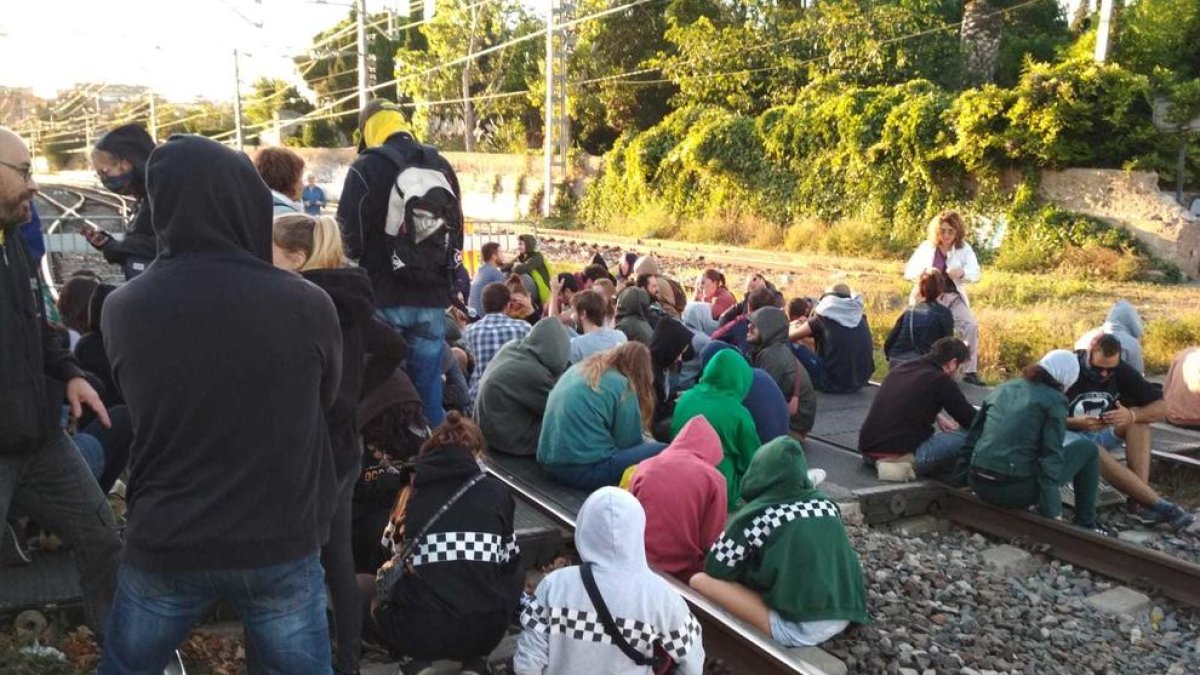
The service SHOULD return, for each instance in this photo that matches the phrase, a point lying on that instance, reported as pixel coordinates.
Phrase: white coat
(959, 258)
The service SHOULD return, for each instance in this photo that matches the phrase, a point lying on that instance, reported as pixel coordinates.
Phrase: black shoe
(1102, 530)
(973, 378)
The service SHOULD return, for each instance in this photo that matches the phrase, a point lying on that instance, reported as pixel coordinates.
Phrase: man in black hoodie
(411, 300)
(119, 159)
(228, 365)
(41, 471)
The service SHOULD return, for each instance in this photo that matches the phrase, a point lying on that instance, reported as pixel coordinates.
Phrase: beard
(17, 214)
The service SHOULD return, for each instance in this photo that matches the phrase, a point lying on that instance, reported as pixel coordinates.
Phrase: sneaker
(175, 665)
(11, 552)
(1148, 517)
(1179, 519)
(817, 476)
(973, 378)
(476, 667)
(1102, 530)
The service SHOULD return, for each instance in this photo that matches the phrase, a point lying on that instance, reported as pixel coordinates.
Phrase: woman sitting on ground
(1018, 458)
(784, 564)
(455, 579)
(922, 324)
(597, 418)
(712, 289)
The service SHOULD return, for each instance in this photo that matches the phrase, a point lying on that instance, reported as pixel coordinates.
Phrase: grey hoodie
(514, 388)
(773, 355)
(562, 633)
(846, 311)
(1124, 323)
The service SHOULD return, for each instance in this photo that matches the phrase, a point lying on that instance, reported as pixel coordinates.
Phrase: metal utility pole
(548, 123)
(1102, 33)
(153, 118)
(237, 102)
(361, 11)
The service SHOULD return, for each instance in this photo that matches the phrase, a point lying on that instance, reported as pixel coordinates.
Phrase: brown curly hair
(280, 168)
(456, 430)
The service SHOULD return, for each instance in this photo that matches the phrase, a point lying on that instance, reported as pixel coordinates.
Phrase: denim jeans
(940, 452)
(606, 471)
(424, 328)
(282, 607)
(815, 365)
(1080, 467)
(54, 486)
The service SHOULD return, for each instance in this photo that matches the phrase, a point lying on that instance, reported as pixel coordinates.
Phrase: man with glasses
(1111, 404)
(41, 472)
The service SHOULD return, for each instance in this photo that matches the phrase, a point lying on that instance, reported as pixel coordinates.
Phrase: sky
(181, 48)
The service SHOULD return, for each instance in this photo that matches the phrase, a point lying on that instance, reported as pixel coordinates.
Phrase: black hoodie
(131, 143)
(362, 334)
(228, 365)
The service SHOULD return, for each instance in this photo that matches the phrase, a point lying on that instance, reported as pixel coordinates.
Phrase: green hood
(550, 344)
(633, 301)
(728, 373)
(778, 473)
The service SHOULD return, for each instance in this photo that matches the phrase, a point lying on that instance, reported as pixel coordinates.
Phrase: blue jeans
(92, 452)
(939, 452)
(606, 471)
(815, 365)
(424, 328)
(1105, 438)
(282, 607)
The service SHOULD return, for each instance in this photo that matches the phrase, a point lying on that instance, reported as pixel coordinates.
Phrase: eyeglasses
(25, 172)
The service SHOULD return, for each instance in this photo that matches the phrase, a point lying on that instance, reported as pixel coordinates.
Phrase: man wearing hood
(684, 497)
(563, 634)
(769, 338)
(768, 408)
(789, 548)
(41, 471)
(513, 391)
(1125, 324)
(411, 300)
(119, 158)
(227, 381)
(632, 305)
(718, 397)
(845, 357)
(530, 262)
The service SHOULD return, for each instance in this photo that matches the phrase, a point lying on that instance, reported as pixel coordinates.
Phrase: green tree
(1161, 34)
(270, 97)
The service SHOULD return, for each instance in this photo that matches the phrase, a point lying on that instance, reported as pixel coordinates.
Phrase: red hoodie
(684, 498)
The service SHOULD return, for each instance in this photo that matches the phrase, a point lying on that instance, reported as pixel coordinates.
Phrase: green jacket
(773, 355)
(718, 397)
(789, 544)
(514, 388)
(1018, 433)
(534, 264)
(584, 425)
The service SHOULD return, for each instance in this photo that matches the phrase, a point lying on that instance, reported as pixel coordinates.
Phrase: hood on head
(550, 344)
(451, 462)
(778, 472)
(531, 243)
(728, 372)
(206, 198)
(379, 120)
(610, 529)
(669, 339)
(846, 311)
(1063, 366)
(714, 347)
(396, 390)
(772, 325)
(698, 439)
(645, 265)
(129, 142)
(1124, 318)
(350, 289)
(633, 301)
(698, 317)
(96, 306)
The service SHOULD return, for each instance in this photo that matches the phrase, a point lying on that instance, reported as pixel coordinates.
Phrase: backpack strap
(610, 626)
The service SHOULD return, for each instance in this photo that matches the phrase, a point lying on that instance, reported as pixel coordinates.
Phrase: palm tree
(982, 27)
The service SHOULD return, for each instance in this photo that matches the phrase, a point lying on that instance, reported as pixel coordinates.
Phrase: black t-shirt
(1089, 397)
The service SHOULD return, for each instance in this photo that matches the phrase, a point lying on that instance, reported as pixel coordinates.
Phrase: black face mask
(118, 184)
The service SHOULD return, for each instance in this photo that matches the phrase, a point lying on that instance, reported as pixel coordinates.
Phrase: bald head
(16, 187)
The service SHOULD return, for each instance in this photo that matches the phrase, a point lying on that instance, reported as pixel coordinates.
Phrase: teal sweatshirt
(584, 425)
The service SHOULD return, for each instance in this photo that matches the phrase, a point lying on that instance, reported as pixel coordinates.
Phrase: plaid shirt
(485, 337)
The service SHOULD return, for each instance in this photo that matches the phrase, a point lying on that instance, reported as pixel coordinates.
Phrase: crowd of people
(298, 405)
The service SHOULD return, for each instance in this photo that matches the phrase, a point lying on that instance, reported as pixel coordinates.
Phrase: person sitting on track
(685, 500)
(845, 355)
(768, 408)
(1123, 323)
(591, 313)
(489, 273)
(597, 417)
(920, 325)
(769, 339)
(711, 288)
(486, 336)
(1182, 390)
(697, 317)
(670, 343)
(737, 331)
(531, 264)
(900, 426)
(742, 308)
(784, 563)
(564, 634)
(633, 303)
(1016, 451)
(718, 397)
(514, 389)
(1112, 404)
(454, 580)
(523, 304)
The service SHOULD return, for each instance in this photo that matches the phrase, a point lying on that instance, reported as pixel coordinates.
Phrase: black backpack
(424, 225)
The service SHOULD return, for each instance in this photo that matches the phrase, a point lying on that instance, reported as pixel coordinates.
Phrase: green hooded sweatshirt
(533, 263)
(773, 355)
(789, 544)
(513, 392)
(718, 397)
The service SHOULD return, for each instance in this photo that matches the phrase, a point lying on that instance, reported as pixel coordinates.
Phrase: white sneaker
(11, 551)
(817, 476)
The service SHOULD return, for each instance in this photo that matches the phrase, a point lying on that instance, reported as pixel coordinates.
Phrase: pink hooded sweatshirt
(684, 497)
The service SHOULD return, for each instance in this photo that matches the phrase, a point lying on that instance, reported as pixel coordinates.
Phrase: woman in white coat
(946, 251)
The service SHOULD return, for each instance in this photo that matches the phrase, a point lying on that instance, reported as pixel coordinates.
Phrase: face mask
(117, 183)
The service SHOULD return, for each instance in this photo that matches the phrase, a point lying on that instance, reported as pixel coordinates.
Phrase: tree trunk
(981, 31)
(468, 70)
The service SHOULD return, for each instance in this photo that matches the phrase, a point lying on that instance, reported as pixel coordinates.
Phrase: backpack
(424, 225)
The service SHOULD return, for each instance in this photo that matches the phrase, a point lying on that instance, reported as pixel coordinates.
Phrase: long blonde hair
(632, 360)
(316, 237)
(951, 218)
